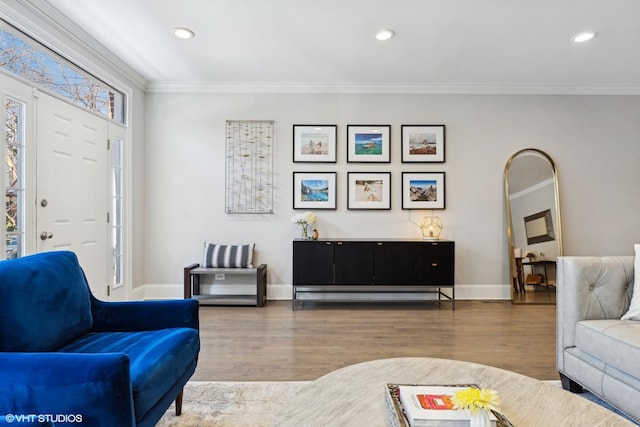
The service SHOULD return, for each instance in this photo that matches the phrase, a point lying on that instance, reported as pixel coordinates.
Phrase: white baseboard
(284, 292)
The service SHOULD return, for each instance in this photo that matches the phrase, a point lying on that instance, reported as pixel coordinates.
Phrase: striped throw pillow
(228, 256)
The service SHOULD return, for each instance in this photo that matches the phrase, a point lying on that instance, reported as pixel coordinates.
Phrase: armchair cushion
(32, 319)
(155, 358)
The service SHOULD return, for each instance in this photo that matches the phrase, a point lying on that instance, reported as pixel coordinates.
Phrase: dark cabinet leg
(261, 285)
(570, 385)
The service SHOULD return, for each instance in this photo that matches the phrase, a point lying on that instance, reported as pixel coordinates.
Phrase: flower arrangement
(479, 402)
(304, 220)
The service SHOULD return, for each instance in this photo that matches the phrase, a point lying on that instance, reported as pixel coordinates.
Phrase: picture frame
(314, 143)
(368, 143)
(369, 190)
(423, 143)
(539, 227)
(314, 190)
(423, 190)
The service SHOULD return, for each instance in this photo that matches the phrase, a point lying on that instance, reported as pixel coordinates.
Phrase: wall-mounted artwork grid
(249, 166)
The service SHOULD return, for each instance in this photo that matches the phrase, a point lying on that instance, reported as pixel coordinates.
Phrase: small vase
(480, 418)
(305, 231)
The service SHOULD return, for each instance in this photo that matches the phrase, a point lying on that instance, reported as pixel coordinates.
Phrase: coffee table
(355, 395)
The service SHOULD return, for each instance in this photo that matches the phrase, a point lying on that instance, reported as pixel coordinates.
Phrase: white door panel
(72, 186)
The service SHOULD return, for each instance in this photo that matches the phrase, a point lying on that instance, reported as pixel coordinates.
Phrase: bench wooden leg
(179, 403)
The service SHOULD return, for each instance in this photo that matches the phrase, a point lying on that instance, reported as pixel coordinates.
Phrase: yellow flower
(475, 399)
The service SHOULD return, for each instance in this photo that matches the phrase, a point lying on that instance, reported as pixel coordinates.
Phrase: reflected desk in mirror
(535, 282)
(547, 280)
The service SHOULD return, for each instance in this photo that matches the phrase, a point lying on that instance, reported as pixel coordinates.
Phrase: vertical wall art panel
(249, 166)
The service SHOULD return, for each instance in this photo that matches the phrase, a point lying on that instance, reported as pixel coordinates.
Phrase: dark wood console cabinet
(372, 270)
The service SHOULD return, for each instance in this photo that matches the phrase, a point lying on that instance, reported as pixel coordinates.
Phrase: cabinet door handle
(327, 243)
(379, 243)
(434, 264)
(339, 243)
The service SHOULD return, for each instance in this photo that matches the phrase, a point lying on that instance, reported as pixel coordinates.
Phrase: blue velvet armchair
(67, 358)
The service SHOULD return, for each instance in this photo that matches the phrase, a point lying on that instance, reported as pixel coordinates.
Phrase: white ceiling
(496, 46)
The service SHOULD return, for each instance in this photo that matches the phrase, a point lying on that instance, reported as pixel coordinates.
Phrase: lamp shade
(431, 227)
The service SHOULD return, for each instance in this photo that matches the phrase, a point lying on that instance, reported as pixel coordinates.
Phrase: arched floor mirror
(533, 226)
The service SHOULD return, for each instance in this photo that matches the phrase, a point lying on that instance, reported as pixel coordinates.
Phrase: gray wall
(592, 139)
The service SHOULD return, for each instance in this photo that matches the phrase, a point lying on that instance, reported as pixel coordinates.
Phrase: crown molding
(535, 187)
(47, 25)
(385, 88)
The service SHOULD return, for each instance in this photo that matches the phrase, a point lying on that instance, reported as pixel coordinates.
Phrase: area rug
(231, 404)
(250, 404)
(595, 399)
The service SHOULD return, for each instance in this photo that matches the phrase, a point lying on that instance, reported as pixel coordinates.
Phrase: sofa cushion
(615, 342)
(49, 302)
(158, 358)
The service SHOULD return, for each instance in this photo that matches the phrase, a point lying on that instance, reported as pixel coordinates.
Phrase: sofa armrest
(144, 315)
(92, 388)
(590, 288)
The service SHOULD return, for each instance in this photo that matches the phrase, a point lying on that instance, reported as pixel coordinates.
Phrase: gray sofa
(595, 349)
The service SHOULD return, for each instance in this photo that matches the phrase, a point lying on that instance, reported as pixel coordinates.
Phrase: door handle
(45, 235)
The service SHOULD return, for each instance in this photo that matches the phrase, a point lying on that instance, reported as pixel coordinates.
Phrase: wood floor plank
(274, 343)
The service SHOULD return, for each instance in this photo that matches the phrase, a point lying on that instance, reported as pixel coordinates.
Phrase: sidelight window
(117, 210)
(14, 177)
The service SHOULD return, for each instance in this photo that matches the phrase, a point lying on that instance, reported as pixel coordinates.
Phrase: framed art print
(314, 143)
(423, 190)
(422, 143)
(314, 190)
(368, 144)
(369, 190)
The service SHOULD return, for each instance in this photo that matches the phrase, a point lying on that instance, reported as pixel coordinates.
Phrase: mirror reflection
(533, 226)
(539, 227)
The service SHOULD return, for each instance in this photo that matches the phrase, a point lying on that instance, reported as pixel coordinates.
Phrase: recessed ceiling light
(183, 33)
(583, 37)
(385, 34)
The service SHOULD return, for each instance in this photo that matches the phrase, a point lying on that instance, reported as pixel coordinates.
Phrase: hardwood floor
(529, 296)
(274, 343)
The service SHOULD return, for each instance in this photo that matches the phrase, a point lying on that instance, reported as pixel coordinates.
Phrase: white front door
(72, 186)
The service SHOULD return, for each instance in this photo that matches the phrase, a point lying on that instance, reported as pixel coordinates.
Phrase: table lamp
(431, 227)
